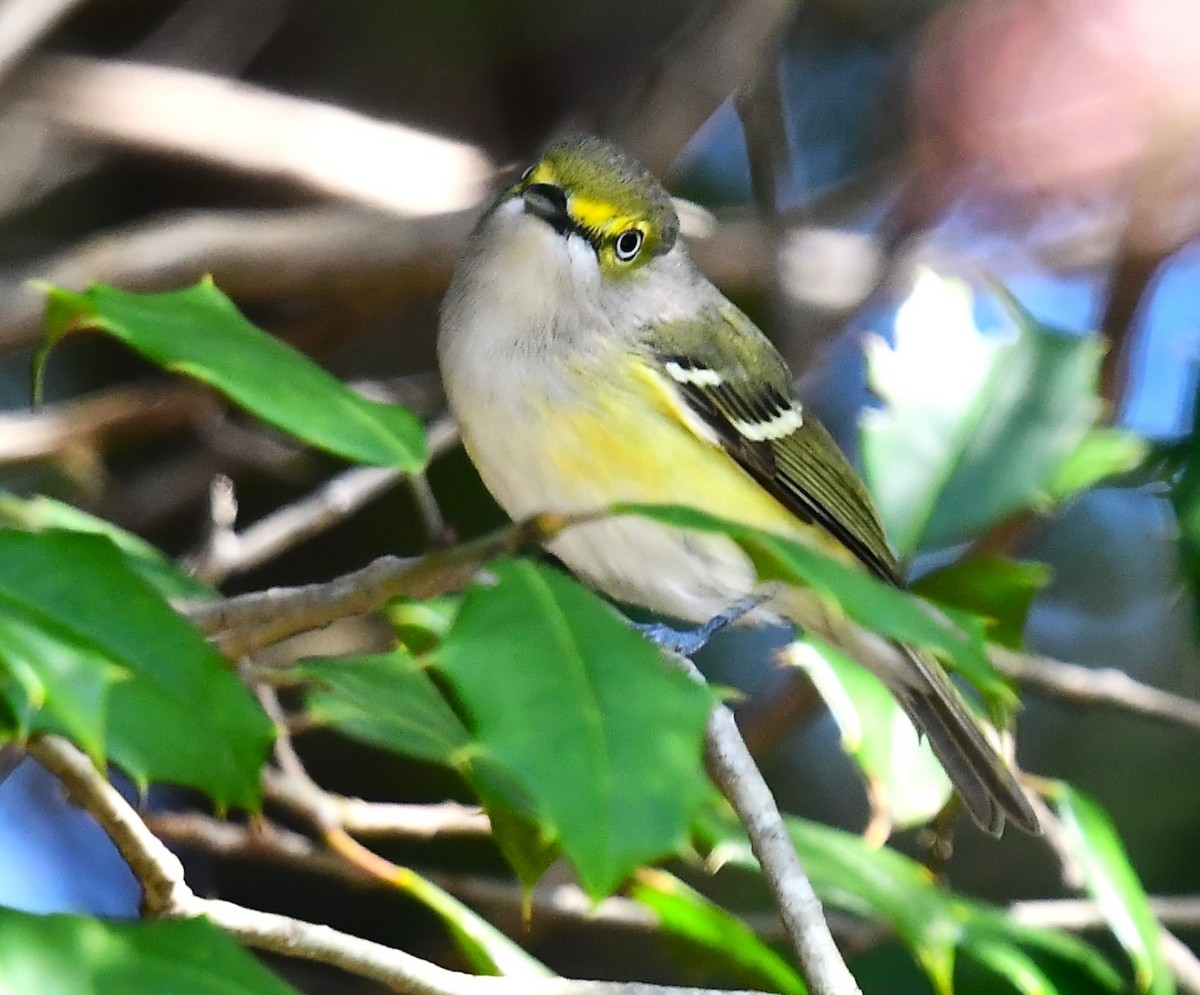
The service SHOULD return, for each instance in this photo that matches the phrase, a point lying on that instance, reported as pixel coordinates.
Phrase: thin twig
(712, 59)
(1090, 686)
(365, 818)
(333, 502)
(1182, 961)
(252, 621)
(168, 896)
(734, 772)
(320, 146)
(1075, 914)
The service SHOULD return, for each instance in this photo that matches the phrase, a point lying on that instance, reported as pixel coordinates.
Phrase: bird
(589, 362)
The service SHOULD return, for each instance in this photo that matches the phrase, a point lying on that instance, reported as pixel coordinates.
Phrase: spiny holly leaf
(1111, 880)
(79, 956)
(935, 924)
(583, 714)
(868, 601)
(199, 332)
(998, 589)
(89, 649)
(906, 786)
(35, 514)
(973, 428)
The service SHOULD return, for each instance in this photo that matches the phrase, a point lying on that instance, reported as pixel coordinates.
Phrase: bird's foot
(686, 642)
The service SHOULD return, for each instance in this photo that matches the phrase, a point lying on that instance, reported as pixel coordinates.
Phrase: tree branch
(168, 896)
(236, 552)
(735, 773)
(1089, 686)
(243, 127)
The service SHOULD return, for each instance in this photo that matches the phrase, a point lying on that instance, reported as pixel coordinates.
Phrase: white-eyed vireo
(589, 362)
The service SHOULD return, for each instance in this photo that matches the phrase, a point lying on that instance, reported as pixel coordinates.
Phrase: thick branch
(320, 146)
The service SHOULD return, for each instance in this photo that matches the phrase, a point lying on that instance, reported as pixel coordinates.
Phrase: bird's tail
(983, 780)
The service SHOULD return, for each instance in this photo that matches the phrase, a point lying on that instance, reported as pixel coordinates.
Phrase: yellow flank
(637, 443)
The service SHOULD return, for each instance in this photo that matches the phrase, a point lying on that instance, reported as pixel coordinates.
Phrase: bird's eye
(628, 244)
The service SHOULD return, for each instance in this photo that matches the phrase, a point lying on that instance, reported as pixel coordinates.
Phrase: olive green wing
(726, 374)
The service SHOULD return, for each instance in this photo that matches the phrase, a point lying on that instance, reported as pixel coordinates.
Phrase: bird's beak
(548, 202)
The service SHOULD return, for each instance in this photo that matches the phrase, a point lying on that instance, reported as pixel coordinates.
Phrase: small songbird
(589, 362)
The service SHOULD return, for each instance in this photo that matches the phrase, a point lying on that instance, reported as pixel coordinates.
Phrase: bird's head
(587, 189)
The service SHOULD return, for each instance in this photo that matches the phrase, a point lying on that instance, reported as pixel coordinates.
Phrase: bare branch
(157, 869)
(1075, 914)
(1090, 687)
(252, 256)
(714, 59)
(236, 552)
(134, 411)
(168, 895)
(22, 25)
(243, 127)
(252, 621)
(735, 773)
(375, 818)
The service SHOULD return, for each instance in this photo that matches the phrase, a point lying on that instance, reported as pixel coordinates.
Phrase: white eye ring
(528, 173)
(628, 244)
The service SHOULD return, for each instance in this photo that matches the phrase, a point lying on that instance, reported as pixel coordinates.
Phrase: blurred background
(324, 161)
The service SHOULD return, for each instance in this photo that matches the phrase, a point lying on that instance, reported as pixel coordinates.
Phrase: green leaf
(1102, 453)
(421, 625)
(973, 428)
(75, 617)
(1111, 880)
(685, 914)
(385, 700)
(487, 949)
(388, 700)
(583, 714)
(886, 887)
(868, 601)
(199, 332)
(35, 514)
(905, 782)
(73, 955)
(1017, 967)
(998, 589)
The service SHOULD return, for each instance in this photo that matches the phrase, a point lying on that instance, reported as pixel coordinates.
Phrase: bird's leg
(686, 642)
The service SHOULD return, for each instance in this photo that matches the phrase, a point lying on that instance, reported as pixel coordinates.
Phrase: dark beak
(548, 202)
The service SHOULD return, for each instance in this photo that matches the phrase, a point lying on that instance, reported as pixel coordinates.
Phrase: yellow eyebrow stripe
(597, 215)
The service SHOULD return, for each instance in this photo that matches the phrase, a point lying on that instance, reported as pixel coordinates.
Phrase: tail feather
(987, 786)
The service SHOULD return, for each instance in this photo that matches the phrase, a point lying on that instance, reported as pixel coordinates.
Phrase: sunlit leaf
(72, 955)
(687, 915)
(934, 924)
(1101, 453)
(972, 428)
(1111, 880)
(199, 332)
(584, 714)
(94, 652)
(37, 513)
(906, 784)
